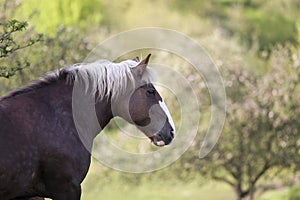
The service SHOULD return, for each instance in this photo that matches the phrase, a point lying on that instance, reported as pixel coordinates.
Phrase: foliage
(66, 46)
(48, 15)
(261, 132)
(10, 44)
(254, 22)
(263, 25)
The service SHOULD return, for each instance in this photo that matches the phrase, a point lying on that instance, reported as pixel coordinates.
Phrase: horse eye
(150, 93)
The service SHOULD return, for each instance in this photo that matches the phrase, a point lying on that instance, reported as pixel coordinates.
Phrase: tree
(65, 46)
(13, 38)
(9, 46)
(254, 22)
(261, 131)
(71, 13)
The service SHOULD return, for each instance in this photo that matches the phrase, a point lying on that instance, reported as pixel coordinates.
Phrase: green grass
(158, 190)
(168, 191)
(98, 186)
(281, 194)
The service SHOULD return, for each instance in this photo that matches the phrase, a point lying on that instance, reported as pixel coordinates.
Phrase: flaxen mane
(102, 77)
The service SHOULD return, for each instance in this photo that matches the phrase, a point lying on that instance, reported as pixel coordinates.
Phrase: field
(157, 190)
(96, 187)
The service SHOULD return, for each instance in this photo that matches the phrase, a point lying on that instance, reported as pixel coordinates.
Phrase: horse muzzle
(163, 137)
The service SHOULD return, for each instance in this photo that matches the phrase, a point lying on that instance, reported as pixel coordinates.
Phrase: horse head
(144, 107)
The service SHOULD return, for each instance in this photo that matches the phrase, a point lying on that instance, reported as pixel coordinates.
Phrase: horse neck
(103, 111)
(62, 94)
(89, 114)
(92, 114)
(56, 102)
(57, 95)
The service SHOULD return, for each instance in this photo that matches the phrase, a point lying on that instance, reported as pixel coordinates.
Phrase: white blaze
(166, 110)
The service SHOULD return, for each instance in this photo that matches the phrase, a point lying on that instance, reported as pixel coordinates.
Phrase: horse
(42, 154)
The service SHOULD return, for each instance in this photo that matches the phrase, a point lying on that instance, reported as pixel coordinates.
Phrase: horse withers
(42, 153)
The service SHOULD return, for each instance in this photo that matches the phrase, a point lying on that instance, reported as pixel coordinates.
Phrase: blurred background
(253, 43)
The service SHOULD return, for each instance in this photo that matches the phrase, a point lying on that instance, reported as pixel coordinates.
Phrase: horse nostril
(172, 133)
(172, 130)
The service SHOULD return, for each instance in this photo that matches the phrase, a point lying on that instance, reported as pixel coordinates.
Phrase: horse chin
(156, 142)
(159, 143)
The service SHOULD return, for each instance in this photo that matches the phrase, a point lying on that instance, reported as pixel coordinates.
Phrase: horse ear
(141, 67)
(136, 59)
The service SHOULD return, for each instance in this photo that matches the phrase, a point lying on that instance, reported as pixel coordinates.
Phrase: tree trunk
(239, 194)
(244, 198)
(244, 195)
(251, 196)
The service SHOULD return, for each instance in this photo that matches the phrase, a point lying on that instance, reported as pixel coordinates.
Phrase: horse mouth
(156, 142)
(160, 141)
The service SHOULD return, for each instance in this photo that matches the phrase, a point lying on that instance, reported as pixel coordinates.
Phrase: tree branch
(223, 179)
(262, 172)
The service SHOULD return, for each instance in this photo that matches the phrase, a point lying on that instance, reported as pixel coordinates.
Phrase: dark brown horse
(42, 153)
